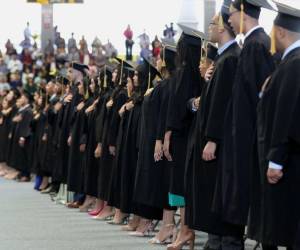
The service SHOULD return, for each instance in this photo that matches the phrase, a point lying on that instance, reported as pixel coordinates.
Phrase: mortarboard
(287, 17)
(80, 67)
(192, 36)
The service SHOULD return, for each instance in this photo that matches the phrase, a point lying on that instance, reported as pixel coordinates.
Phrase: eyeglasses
(212, 23)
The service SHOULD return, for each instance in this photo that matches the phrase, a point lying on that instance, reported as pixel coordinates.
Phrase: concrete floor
(31, 221)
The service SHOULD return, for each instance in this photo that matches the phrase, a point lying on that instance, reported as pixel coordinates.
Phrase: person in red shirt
(129, 42)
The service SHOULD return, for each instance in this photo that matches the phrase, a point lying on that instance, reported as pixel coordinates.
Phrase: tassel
(163, 61)
(273, 42)
(242, 19)
(121, 73)
(105, 78)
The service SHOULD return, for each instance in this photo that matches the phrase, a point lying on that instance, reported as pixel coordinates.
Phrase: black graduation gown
(129, 157)
(48, 145)
(64, 132)
(209, 127)
(11, 139)
(179, 120)
(100, 122)
(91, 165)
(23, 129)
(75, 178)
(279, 141)
(5, 128)
(150, 175)
(108, 138)
(239, 153)
(38, 147)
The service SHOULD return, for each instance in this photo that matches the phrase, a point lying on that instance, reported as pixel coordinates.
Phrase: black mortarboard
(246, 7)
(169, 45)
(80, 67)
(192, 36)
(149, 69)
(224, 14)
(288, 17)
(127, 69)
(61, 60)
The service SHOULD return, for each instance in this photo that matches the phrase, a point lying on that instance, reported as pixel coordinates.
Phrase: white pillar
(47, 24)
(210, 10)
(188, 13)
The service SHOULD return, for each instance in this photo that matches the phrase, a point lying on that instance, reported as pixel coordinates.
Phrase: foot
(144, 229)
(24, 179)
(119, 219)
(166, 234)
(182, 239)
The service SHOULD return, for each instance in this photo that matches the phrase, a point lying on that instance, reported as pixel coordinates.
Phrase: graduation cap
(151, 71)
(169, 50)
(251, 7)
(191, 35)
(224, 14)
(288, 17)
(126, 68)
(80, 67)
(106, 71)
(63, 80)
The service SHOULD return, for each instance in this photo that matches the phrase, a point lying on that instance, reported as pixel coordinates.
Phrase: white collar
(25, 107)
(225, 46)
(293, 46)
(251, 31)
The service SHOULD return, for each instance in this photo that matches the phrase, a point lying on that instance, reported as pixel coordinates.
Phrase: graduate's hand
(122, 110)
(90, 109)
(158, 151)
(98, 151)
(209, 152)
(274, 175)
(80, 106)
(112, 150)
(1, 120)
(69, 141)
(82, 147)
(68, 98)
(166, 146)
(44, 138)
(129, 105)
(22, 142)
(197, 102)
(109, 103)
(9, 135)
(57, 106)
(209, 72)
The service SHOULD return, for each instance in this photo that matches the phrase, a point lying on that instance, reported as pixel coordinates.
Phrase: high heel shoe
(105, 218)
(123, 221)
(190, 240)
(96, 211)
(170, 238)
(145, 233)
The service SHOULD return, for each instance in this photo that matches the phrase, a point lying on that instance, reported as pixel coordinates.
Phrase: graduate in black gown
(53, 93)
(239, 153)
(152, 176)
(208, 135)
(78, 138)
(22, 137)
(8, 110)
(90, 166)
(141, 223)
(38, 147)
(109, 78)
(279, 138)
(108, 138)
(188, 85)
